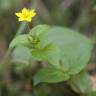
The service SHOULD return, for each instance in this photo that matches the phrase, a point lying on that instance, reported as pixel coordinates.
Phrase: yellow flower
(25, 15)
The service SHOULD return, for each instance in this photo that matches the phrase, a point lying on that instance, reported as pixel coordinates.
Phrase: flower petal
(21, 19)
(18, 14)
(28, 19)
(24, 10)
(32, 13)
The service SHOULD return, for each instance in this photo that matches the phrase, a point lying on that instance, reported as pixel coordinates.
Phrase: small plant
(52, 54)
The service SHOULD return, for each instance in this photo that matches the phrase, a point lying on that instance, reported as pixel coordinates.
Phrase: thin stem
(9, 51)
(6, 61)
(29, 27)
(21, 28)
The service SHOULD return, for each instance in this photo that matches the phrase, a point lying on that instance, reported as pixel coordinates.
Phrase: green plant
(66, 52)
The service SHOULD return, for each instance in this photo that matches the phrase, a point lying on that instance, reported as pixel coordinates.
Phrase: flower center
(25, 15)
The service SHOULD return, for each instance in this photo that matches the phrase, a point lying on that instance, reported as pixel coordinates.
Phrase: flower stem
(29, 27)
(21, 28)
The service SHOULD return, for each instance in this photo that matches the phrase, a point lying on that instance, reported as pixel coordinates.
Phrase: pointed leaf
(39, 30)
(50, 75)
(81, 82)
(21, 40)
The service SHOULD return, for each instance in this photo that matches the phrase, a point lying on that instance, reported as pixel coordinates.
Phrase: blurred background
(79, 15)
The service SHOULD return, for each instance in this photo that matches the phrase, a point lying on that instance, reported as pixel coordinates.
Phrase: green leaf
(43, 90)
(50, 75)
(93, 93)
(21, 40)
(50, 53)
(39, 30)
(75, 49)
(81, 82)
(21, 55)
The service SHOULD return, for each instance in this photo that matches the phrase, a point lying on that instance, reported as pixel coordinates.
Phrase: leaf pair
(67, 51)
